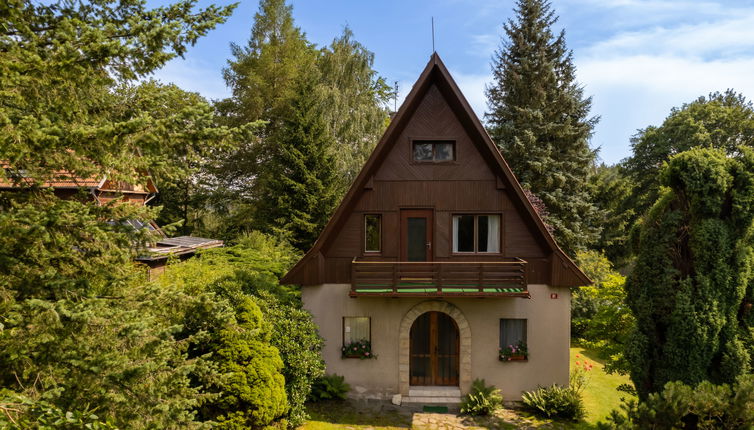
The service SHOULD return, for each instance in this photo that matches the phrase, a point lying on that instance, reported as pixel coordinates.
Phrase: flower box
(361, 349)
(517, 352)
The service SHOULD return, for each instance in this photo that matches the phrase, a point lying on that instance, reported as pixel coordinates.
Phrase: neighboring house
(102, 190)
(434, 261)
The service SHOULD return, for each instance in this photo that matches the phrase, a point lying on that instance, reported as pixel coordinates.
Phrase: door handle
(429, 244)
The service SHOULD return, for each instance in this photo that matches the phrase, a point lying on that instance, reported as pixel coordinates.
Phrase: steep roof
(435, 73)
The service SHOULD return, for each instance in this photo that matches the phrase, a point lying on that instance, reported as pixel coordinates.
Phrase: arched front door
(434, 350)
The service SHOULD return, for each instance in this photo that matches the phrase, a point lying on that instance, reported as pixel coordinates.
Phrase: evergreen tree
(355, 103)
(298, 186)
(691, 289)
(263, 73)
(539, 118)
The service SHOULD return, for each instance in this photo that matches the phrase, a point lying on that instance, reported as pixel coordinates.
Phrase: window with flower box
(513, 345)
(357, 338)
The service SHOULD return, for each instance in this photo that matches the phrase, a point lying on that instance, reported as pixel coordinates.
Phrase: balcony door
(434, 350)
(416, 234)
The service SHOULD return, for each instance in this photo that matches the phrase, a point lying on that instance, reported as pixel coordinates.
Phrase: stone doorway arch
(404, 341)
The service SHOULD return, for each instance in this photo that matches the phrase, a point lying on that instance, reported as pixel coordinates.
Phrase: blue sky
(636, 58)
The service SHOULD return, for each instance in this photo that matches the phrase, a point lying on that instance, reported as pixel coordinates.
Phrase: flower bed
(358, 349)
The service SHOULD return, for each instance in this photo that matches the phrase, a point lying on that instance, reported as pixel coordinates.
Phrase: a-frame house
(437, 264)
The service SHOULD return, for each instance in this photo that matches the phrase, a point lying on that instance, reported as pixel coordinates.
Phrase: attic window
(434, 151)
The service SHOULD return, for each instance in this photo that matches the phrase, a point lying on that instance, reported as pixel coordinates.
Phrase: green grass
(336, 415)
(600, 395)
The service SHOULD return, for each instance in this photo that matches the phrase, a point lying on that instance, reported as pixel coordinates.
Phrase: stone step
(434, 392)
(431, 400)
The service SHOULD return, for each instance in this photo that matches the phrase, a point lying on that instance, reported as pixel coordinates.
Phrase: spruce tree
(298, 186)
(539, 118)
(692, 287)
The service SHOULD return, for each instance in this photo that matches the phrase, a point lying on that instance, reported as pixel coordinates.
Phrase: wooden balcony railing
(439, 278)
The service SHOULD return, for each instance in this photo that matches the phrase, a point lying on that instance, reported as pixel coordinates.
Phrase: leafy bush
(706, 406)
(482, 399)
(555, 402)
(329, 387)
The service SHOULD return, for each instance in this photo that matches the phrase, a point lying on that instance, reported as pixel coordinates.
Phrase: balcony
(439, 278)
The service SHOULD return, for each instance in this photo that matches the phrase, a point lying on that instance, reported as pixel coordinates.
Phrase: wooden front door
(434, 350)
(416, 234)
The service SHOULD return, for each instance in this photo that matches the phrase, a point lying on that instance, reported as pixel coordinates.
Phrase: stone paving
(430, 421)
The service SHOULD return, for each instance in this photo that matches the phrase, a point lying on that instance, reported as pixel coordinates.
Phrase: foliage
(354, 98)
(251, 387)
(706, 406)
(298, 187)
(555, 402)
(519, 349)
(197, 143)
(329, 387)
(612, 188)
(538, 117)
(295, 336)
(561, 402)
(692, 280)
(720, 120)
(481, 399)
(79, 331)
(60, 59)
(358, 348)
(324, 110)
(600, 318)
(251, 268)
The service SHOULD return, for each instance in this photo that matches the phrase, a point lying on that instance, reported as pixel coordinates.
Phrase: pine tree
(539, 118)
(298, 186)
(691, 288)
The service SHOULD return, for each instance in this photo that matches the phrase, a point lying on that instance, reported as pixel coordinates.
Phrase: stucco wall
(548, 325)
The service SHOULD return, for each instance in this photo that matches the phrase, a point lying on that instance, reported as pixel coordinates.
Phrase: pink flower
(367, 353)
(354, 348)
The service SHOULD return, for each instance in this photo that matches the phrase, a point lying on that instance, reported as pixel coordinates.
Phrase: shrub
(482, 399)
(706, 406)
(555, 402)
(329, 387)
(251, 388)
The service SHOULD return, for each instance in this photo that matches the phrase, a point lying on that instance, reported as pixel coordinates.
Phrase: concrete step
(431, 400)
(418, 391)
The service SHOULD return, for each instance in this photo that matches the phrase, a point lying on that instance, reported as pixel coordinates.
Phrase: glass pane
(482, 233)
(422, 151)
(372, 233)
(512, 331)
(444, 151)
(355, 328)
(417, 239)
(463, 234)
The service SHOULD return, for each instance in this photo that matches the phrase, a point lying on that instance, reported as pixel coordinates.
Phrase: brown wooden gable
(478, 181)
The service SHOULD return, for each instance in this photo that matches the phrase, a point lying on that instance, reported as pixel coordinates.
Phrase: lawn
(600, 397)
(601, 394)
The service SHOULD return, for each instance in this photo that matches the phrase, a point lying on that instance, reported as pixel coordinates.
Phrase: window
(431, 151)
(356, 329)
(512, 332)
(372, 230)
(476, 233)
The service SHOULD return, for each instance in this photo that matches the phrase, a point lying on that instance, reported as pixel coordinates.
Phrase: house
(437, 264)
(102, 191)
